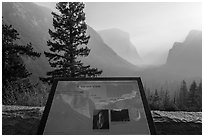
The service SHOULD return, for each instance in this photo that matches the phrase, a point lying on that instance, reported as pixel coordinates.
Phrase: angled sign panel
(97, 106)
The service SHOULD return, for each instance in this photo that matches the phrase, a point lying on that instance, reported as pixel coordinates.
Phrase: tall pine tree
(198, 97)
(69, 42)
(13, 67)
(166, 100)
(192, 96)
(156, 101)
(183, 95)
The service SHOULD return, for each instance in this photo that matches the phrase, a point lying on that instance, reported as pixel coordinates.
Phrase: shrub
(22, 92)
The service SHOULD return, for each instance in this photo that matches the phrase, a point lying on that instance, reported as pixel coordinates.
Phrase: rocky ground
(178, 123)
(22, 120)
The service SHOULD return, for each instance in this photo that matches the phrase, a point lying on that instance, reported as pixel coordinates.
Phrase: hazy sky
(153, 26)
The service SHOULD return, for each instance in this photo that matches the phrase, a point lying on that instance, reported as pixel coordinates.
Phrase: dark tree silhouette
(183, 95)
(155, 101)
(13, 67)
(166, 100)
(68, 42)
(192, 96)
(199, 97)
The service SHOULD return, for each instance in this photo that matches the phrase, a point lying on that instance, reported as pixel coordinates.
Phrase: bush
(22, 92)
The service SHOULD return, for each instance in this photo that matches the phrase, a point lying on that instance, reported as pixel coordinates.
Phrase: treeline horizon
(184, 98)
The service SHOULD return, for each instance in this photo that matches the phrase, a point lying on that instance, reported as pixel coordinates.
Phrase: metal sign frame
(53, 89)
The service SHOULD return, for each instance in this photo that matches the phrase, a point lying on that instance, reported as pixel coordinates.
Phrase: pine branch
(54, 56)
(12, 65)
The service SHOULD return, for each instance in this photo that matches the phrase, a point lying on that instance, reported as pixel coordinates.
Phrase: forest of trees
(184, 99)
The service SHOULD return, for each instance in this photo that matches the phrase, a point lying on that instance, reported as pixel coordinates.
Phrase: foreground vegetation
(22, 92)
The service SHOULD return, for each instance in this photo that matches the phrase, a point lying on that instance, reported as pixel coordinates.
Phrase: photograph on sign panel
(119, 115)
(100, 119)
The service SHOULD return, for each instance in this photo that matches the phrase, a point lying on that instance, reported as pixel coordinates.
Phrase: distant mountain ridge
(184, 62)
(105, 58)
(120, 42)
(187, 55)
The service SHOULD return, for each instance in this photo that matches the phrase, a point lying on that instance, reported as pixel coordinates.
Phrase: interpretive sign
(88, 106)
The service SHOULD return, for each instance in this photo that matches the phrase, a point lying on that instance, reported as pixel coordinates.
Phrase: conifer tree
(192, 96)
(13, 67)
(166, 101)
(69, 42)
(199, 97)
(162, 93)
(183, 95)
(175, 98)
(156, 100)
